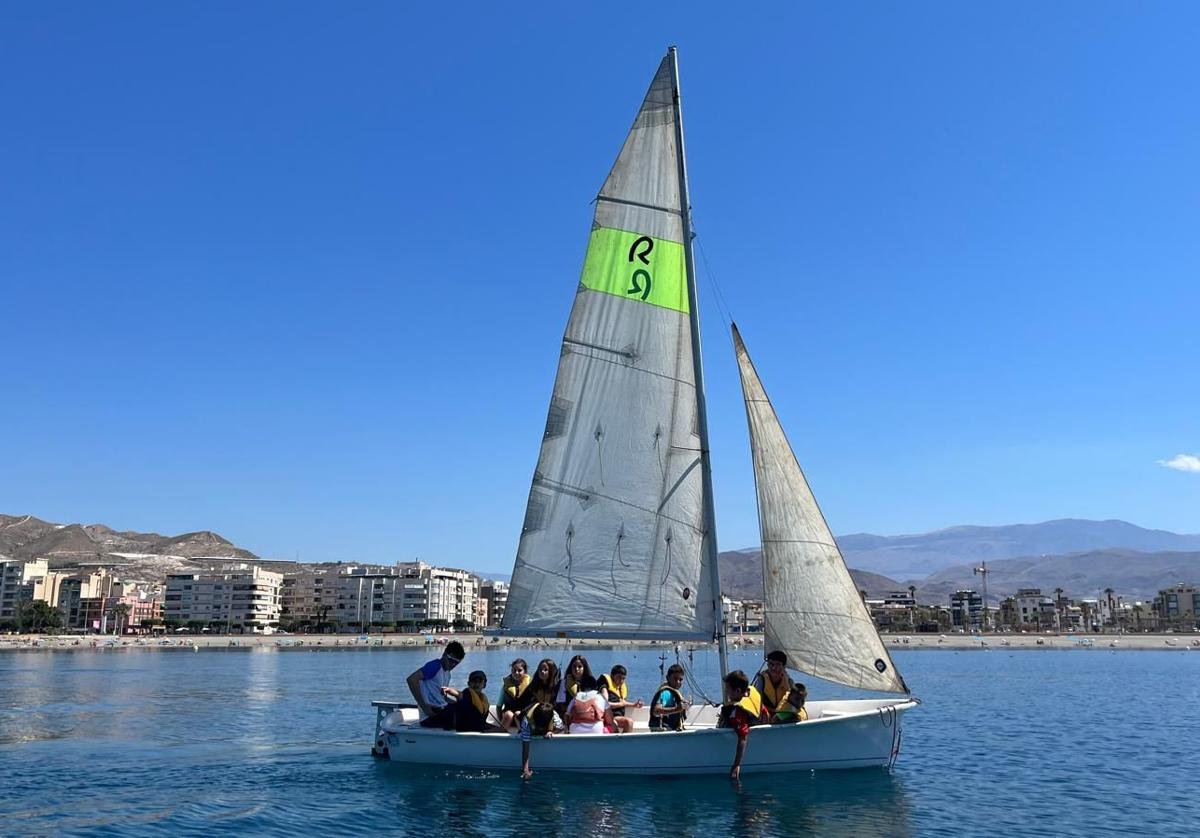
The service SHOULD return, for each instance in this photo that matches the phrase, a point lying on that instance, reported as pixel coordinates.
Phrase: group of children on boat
(546, 702)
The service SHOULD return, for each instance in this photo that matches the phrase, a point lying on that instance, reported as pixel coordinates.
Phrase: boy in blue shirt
(430, 685)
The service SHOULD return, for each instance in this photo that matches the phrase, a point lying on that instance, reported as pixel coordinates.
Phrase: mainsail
(813, 610)
(614, 535)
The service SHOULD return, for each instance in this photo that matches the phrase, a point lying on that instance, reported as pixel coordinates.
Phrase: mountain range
(1080, 556)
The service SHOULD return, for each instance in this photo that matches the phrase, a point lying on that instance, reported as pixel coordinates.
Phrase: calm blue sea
(269, 742)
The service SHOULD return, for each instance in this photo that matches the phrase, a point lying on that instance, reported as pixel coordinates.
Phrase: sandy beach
(326, 642)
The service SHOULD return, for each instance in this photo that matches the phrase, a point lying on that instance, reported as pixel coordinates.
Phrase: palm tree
(120, 614)
(912, 609)
(1058, 607)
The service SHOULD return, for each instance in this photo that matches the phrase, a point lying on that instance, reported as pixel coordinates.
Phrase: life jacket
(671, 722)
(773, 696)
(586, 711)
(569, 687)
(787, 712)
(615, 693)
(513, 691)
(540, 693)
(751, 703)
(479, 700)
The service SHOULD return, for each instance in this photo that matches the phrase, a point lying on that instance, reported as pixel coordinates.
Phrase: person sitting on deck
(430, 685)
(588, 711)
(616, 690)
(791, 709)
(577, 670)
(469, 714)
(543, 689)
(513, 693)
(774, 684)
(668, 707)
(741, 711)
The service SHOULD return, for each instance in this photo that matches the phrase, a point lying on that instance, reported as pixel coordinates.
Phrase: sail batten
(812, 610)
(614, 537)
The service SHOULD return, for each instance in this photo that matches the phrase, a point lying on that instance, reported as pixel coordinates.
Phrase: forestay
(613, 537)
(813, 610)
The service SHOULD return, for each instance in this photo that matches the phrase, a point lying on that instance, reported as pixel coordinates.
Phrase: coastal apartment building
(493, 597)
(234, 596)
(406, 594)
(17, 579)
(1179, 607)
(966, 610)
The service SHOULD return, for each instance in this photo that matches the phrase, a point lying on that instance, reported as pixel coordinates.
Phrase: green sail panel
(637, 267)
(613, 541)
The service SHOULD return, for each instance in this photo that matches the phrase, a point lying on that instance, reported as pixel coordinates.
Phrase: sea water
(276, 742)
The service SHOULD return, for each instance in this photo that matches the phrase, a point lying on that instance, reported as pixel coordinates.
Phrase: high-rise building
(237, 596)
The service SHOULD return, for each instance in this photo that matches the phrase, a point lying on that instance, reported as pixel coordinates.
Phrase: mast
(710, 540)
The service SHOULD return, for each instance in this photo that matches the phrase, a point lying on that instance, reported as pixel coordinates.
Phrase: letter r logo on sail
(636, 266)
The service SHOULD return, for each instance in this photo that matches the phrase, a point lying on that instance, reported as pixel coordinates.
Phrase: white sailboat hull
(842, 734)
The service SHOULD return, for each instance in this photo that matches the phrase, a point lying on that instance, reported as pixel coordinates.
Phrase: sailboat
(619, 536)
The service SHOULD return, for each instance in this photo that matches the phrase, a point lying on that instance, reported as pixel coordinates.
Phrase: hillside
(147, 556)
(916, 556)
(1131, 574)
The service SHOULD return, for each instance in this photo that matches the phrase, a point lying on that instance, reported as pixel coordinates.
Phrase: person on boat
(515, 683)
(774, 684)
(543, 689)
(668, 708)
(469, 713)
(577, 670)
(540, 720)
(430, 685)
(791, 709)
(616, 690)
(588, 711)
(741, 711)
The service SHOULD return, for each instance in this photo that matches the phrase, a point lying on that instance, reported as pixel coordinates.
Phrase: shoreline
(325, 642)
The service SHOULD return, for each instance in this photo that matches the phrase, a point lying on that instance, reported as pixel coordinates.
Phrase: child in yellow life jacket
(774, 684)
(617, 692)
(741, 711)
(791, 709)
(469, 713)
(512, 693)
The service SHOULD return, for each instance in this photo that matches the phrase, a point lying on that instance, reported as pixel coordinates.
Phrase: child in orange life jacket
(668, 707)
(588, 711)
(616, 690)
(791, 709)
(742, 710)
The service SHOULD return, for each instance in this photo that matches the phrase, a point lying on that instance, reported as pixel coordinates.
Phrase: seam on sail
(576, 492)
(628, 203)
(603, 360)
(600, 589)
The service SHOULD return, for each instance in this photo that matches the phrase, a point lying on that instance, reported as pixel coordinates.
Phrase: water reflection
(866, 802)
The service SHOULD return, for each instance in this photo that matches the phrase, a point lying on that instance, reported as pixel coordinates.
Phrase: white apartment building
(235, 596)
(493, 597)
(406, 594)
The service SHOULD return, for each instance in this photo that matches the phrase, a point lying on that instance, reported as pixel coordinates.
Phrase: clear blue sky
(297, 272)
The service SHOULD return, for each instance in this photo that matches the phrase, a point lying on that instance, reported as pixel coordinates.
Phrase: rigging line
(711, 276)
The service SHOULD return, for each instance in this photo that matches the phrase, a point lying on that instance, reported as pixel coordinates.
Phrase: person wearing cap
(430, 685)
(774, 683)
